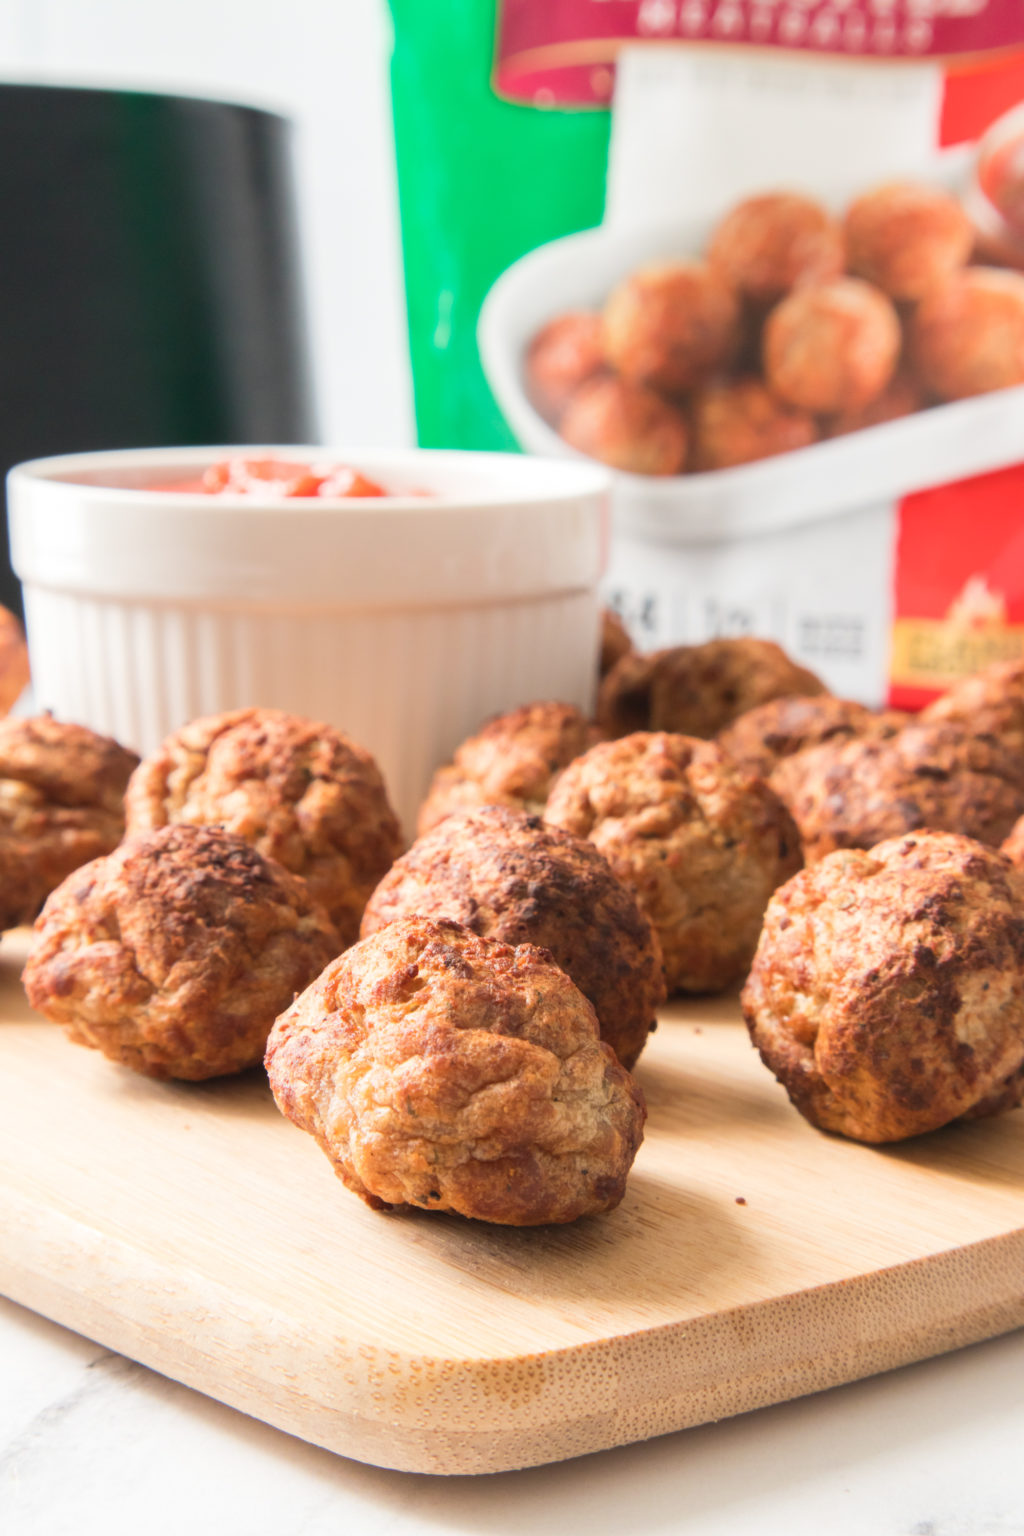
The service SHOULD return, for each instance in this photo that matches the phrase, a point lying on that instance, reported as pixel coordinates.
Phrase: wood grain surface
(753, 1258)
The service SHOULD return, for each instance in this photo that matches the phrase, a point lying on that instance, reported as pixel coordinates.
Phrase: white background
(323, 63)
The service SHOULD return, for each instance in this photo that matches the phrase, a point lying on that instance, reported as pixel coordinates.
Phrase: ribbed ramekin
(405, 621)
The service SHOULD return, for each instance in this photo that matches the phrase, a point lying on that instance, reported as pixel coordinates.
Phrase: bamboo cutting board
(753, 1259)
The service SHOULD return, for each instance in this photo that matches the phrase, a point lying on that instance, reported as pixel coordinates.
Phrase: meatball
(441, 1070)
(740, 422)
(698, 690)
(513, 760)
(14, 671)
(905, 237)
(615, 641)
(901, 397)
(671, 327)
(833, 347)
(563, 354)
(768, 244)
(990, 703)
(299, 791)
(967, 334)
(507, 876)
(936, 776)
(627, 427)
(61, 804)
(763, 736)
(174, 954)
(887, 993)
(1013, 844)
(702, 844)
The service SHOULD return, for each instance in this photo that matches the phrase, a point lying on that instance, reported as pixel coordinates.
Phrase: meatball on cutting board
(441, 1070)
(508, 876)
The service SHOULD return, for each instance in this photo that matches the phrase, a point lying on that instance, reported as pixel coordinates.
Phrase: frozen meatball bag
(765, 263)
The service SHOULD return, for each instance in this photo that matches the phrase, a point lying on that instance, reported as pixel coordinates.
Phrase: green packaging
(481, 182)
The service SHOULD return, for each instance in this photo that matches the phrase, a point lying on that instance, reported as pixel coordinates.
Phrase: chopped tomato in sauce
(278, 477)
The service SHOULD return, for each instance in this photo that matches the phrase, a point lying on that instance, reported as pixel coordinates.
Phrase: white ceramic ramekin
(405, 621)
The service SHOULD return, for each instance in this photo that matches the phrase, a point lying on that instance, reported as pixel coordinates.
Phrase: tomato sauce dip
(277, 477)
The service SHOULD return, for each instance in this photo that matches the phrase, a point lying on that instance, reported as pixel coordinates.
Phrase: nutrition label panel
(820, 590)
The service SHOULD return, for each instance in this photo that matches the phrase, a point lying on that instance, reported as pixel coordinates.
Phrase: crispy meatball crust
(832, 347)
(513, 760)
(1013, 844)
(887, 993)
(61, 804)
(702, 843)
(767, 244)
(990, 703)
(671, 327)
(763, 736)
(938, 776)
(175, 953)
(742, 421)
(626, 426)
(905, 237)
(505, 875)
(299, 791)
(967, 334)
(14, 669)
(698, 690)
(441, 1070)
(615, 641)
(562, 355)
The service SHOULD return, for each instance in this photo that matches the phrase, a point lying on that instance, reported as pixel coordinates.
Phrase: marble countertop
(91, 1442)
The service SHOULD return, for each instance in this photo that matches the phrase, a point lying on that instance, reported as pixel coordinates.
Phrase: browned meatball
(740, 422)
(563, 354)
(902, 396)
(697, 690)
(626, 426)
(887, 993)
(175, 953)
(299, 791)
(905, 237)
(831, 348)
(513, 760)
(440, 1070)
(14, 671)
(507, 876)
(938, 777)
(61, 804)
(702, 844)
(671, 327)
(615, 641)
(1013, 844)
(989, 703)
(768, 244)
(763, 736)
(967, 333)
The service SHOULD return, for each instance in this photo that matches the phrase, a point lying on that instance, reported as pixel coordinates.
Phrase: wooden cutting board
(753, 1258)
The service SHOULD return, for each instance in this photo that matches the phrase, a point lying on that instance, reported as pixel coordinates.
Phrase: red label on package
(562, 52)
(959, 584)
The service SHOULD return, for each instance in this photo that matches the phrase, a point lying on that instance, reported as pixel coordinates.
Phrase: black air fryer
(149, 291)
